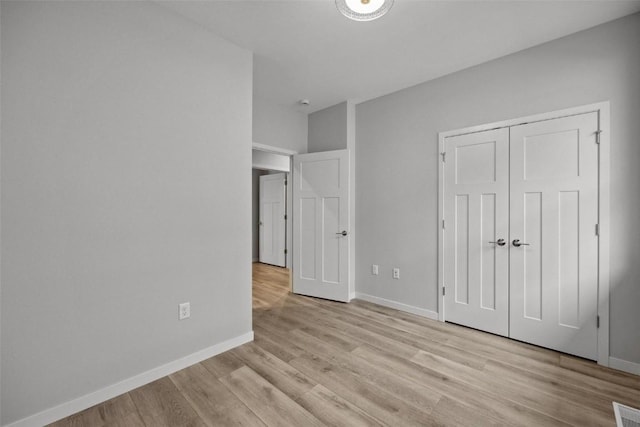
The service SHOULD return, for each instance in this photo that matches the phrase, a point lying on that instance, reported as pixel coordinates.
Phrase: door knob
(517, 243)
(499, 242)
(343, 233)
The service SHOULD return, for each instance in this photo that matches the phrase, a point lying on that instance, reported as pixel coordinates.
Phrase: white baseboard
(624, 365)
(352, 295)
(398, 306)
(71, 407)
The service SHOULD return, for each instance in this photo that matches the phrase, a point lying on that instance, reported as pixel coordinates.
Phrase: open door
(321, 225)
(273, 219)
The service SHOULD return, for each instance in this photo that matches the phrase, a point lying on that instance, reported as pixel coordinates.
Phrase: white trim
(574, 111)
(352, 295)
(602, 108)
(604, 168)
(624, 365)
(273, 149)
(353, 229)
(289, 201)
(73, 406)
(440, 227)
(290, 214)
(266, 167)
(423, 312)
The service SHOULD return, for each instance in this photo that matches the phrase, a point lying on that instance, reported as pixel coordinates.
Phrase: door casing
(602, 108)
(290, 154)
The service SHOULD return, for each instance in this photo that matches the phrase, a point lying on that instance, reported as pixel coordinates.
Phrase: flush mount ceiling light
(364, 10)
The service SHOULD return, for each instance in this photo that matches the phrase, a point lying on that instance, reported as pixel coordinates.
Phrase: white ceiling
(307, 49)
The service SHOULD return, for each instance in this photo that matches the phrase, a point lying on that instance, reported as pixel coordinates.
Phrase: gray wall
(328, 129)
(279, 126)
(121, 125)
(397, 154)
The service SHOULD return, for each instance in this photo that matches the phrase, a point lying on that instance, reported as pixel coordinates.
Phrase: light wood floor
(316, 362)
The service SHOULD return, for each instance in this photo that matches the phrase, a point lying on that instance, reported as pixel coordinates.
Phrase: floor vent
(626, 416)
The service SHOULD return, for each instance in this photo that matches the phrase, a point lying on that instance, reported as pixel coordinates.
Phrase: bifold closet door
(476, 197)
(553, 215)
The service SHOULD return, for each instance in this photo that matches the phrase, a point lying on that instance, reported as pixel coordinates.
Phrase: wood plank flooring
(315, 362)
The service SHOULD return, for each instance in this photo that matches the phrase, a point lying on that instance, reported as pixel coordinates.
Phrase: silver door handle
(517, 243)
(499, 242)
(343, 233)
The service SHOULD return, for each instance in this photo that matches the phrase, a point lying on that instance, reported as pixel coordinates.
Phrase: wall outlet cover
(184, 310)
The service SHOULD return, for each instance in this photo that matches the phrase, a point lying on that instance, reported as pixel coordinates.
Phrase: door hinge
(285, 251)
(444, 291)
(598, 132)
(597, 321)
(597, 229)
(443, 226)
(444, 156)
(285, 216)
(286, 182)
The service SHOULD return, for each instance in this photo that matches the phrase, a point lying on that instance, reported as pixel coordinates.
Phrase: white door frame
(290, 153)
(602, 108)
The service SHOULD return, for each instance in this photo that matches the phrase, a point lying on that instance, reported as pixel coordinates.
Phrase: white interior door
(477, 229)
(554, 212)
(535, 186)
(273, 219)
(321, 224)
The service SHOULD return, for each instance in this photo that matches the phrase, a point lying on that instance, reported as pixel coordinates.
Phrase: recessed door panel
(488, 252)
(331, 240)
(462, 250)
(476, 163)
(532, 257)
(569, 259)
(321, 175)
(307, 245)
(562, 164)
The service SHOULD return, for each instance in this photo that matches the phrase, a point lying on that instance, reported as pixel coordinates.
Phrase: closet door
(476, 191)
(553, 241)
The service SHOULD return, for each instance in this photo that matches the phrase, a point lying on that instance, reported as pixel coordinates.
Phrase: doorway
(522, 220)
(319, 192)
(271, 222)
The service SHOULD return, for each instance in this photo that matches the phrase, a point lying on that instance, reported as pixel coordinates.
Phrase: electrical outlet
(184, 310)
(396, 273)
(374, 269)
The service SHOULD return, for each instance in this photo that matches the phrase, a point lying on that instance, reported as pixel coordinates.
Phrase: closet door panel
(553, 216)
(476, 216)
